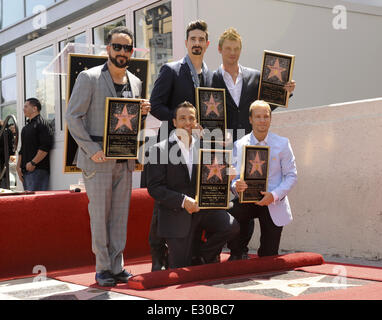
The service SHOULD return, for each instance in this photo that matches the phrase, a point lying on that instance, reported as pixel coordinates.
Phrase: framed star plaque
(275, 73)
(122, 127)
(213, 185)
(76, 64)
(211, 106)
(254, 171)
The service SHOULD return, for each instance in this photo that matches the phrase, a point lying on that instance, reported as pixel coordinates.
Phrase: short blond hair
(229, 34)
(259, 103)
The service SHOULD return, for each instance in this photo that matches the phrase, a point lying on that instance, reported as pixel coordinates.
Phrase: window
(39, 85)
(12, 11)
(100, 33)
(7, 85)
(153, 29)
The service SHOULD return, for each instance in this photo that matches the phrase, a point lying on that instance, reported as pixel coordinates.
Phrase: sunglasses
(118, 47)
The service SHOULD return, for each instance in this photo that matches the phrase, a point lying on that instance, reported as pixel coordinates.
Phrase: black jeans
(270, 233)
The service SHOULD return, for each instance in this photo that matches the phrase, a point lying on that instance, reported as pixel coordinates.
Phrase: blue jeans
(36, 180)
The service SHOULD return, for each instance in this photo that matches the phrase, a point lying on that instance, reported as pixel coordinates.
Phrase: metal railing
(4, 140)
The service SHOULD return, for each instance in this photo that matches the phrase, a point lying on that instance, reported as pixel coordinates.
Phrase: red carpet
(221, 270)
(53, 229)
(203, 290)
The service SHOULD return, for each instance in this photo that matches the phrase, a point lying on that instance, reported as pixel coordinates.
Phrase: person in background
(6, 137)
(33, 166)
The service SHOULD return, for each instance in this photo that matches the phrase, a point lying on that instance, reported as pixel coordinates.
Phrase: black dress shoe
(105, 279)
(197, 261)
(234, 257)
(159, 262)
(122, 277)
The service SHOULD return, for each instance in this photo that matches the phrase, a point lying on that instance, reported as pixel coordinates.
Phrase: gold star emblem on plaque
(212, 106)
(256, 164)
(276, 70)
(124, 119)
(215, 170)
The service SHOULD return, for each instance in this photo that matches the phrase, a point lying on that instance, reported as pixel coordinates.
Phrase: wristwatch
(33, 163)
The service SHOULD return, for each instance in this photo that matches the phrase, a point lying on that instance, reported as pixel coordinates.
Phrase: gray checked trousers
(109, 196)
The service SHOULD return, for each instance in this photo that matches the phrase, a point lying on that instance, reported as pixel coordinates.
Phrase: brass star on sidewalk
(276, 70)
(124, 119)
(294, 287)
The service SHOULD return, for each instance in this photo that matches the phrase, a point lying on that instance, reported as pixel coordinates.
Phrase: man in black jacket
(171, 181)
(176, 83)
(241, 83)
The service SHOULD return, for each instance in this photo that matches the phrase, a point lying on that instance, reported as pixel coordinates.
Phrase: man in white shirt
(241, 83)
(273, 210)
(171, 181)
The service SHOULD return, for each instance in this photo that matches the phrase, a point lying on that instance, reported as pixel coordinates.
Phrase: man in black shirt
(36, 141)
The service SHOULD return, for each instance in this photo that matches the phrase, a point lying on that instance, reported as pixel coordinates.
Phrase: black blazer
(173, 86)
(238, 116)
(168, 183)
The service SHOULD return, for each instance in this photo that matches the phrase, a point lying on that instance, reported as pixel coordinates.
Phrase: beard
(197, 51)
(118, 64)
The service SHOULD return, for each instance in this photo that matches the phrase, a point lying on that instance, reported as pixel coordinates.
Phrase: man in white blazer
(273, 210)
(108, 182)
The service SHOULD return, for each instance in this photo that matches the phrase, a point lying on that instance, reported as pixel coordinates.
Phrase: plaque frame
(227, 184)
(275, 85)
(245, 164)
(201, 120)
(89, 60)
(108, 113)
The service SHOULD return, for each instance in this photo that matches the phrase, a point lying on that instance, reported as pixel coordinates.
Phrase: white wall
(336, 204)
(332, 66)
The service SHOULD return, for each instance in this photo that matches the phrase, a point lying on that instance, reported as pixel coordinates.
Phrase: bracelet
(33, 163)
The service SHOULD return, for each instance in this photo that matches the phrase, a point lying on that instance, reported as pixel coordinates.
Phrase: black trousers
(157, 244)
(270, 233)
(220, 226)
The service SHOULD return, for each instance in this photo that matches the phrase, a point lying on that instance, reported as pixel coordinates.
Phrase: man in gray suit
(108, 182)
